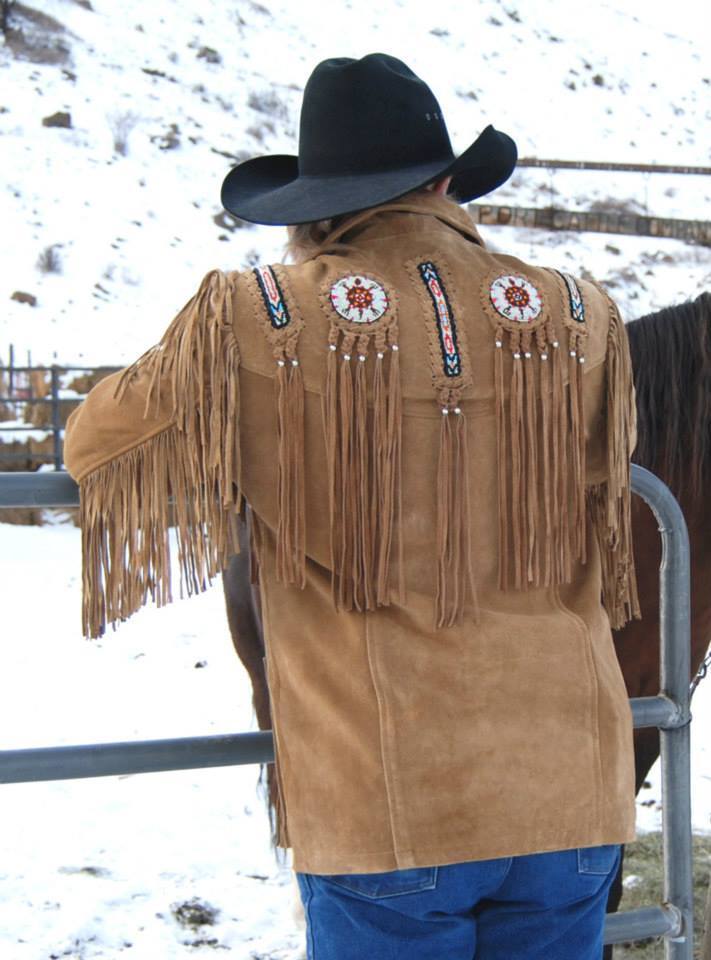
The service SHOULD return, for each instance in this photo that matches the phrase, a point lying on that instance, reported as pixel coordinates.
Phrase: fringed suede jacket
(434, 441)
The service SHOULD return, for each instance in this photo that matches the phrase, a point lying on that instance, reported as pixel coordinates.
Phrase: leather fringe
(541, 452)
(125, 510)
(610, 502)
(291, 494)
(455, 578)
(364, 468)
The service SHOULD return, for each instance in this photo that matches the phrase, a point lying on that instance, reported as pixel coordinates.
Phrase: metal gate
(672, 919)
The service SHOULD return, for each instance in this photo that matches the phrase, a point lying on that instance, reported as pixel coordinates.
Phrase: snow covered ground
(94, 868)
(110, 223)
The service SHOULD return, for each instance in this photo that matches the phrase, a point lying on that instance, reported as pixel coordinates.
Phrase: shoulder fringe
(125, 509)
(609, 502)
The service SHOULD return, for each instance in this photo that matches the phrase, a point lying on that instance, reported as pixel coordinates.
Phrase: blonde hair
(306, 239)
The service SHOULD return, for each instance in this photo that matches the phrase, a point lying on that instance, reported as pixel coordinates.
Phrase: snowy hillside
(164, 97)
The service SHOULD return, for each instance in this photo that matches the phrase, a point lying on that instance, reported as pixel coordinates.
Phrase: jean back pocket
(598, 860)
(393, 883)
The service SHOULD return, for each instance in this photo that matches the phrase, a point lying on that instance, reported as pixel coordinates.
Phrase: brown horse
(671, 357)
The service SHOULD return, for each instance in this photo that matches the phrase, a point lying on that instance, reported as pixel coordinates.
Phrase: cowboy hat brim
(269, 190)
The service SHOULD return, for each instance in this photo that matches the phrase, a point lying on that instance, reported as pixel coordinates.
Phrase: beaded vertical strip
(450, 377)
(282, 325)
(540, 436)
(363, 459)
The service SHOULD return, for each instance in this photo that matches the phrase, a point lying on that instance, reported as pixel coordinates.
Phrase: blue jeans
(544, 906)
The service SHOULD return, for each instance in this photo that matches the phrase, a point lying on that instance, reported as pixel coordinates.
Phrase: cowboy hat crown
(370, 131)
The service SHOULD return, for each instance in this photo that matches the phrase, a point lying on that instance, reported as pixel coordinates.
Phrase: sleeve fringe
(609, 502)
(125, 508)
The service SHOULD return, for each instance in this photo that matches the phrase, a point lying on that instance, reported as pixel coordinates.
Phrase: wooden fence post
(56, 419)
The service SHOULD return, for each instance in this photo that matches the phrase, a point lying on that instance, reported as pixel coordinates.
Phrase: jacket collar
(414, 214)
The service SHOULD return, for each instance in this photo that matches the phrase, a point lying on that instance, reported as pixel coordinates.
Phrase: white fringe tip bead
(498, 344)
(517, 356)
(581, 359)
(573, 353)
(281, 363)
(380, 355)
(555, 344)
(544, 356)
(527, 355)
(346, 356)
(332, 346)
(457, 410)
(295, 363)
(445, 411)
(394, 346)
(361, 357)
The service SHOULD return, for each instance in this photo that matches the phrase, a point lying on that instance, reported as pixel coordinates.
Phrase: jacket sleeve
(154, 446)
(609, 496)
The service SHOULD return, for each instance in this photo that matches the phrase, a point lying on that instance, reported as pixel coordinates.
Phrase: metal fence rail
(669, 711)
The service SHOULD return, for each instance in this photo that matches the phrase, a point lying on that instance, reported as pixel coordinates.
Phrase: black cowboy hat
(370, 132)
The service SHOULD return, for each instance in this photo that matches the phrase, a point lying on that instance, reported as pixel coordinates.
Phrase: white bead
(445, 411)
(527, 355)
(332, 346)
(380, 356)
(346, 356)
(498, 343)
(517, 356)
(361, 357)
(394, 346)
(280, 363)
(544, 356)
(581, 359)
(555, 344)
(457, 409)
(573, 353)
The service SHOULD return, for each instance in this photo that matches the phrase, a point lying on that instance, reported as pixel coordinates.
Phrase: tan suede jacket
(434, 441)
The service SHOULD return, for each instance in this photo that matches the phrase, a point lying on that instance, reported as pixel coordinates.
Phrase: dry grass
(643, 859)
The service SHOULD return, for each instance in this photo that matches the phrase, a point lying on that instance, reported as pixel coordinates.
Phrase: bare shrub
(169, 139)
(5, 6)
(209, 54)
(49, 261)
(121, 125)
(261, 131)
(269, 103)
(194, 913)
(228, 221)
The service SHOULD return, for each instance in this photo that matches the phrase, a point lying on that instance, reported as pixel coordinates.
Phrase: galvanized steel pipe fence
(672, 919)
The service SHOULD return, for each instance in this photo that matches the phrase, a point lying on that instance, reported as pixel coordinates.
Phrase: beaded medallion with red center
(515, 298)
(359, 299)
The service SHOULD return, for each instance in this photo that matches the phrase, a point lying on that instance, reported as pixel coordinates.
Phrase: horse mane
(671, 360)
